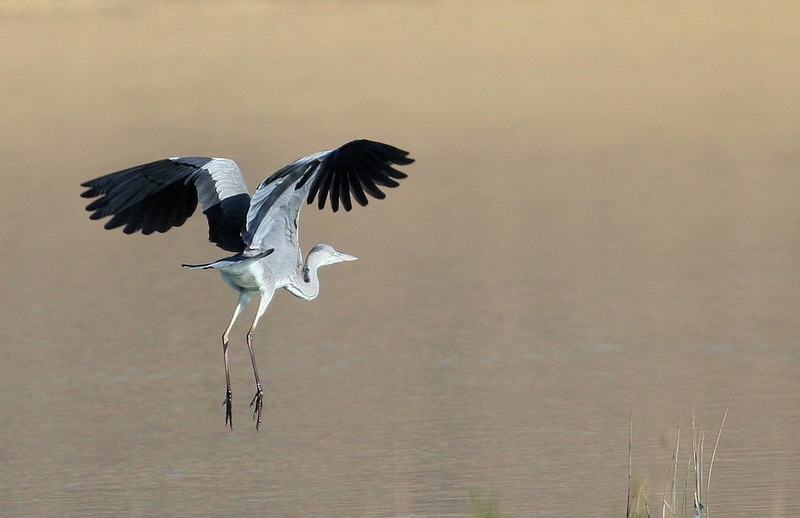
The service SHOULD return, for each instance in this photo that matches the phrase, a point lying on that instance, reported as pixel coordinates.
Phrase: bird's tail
(229, 261)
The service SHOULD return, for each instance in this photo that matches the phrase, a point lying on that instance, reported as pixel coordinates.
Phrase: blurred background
(601, 229)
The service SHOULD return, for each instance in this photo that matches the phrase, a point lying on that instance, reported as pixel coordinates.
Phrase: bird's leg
(244, 300)
(256, 403)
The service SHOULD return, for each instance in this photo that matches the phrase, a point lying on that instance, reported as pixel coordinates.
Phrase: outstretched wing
(160, 195)
(357, 168)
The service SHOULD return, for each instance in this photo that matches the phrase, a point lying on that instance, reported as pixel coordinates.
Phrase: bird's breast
(241, 280)
(268, 273)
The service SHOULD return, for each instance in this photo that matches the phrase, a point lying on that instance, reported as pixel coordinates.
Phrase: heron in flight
(261, 230)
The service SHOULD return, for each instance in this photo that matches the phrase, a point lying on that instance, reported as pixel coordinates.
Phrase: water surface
(602, 219)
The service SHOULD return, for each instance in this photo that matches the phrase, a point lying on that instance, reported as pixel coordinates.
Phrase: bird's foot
(228, 403)
(256, 405)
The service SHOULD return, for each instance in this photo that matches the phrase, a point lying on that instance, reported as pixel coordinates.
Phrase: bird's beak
(347, 257)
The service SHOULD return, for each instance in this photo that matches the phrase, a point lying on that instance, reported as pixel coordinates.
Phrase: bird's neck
(305, 282)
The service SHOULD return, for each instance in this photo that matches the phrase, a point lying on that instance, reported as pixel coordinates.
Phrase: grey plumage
(262, 230)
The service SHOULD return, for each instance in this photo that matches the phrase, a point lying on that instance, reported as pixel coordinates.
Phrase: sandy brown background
(603, 217)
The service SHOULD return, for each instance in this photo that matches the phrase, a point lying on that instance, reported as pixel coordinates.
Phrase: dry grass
(684, 496)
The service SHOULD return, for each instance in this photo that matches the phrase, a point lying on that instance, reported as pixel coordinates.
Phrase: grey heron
(261, 230)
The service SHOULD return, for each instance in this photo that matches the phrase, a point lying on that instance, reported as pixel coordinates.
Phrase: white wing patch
(223, 179)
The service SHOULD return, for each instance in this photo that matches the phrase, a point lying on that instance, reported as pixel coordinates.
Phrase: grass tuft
(485, 506)
(687, 498)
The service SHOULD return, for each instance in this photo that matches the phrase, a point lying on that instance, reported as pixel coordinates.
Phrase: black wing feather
(157, 196)
(371, 188)
(356, 189)
(357, 168)
(323, 183)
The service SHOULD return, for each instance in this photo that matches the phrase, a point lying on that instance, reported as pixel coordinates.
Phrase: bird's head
(323, 255)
